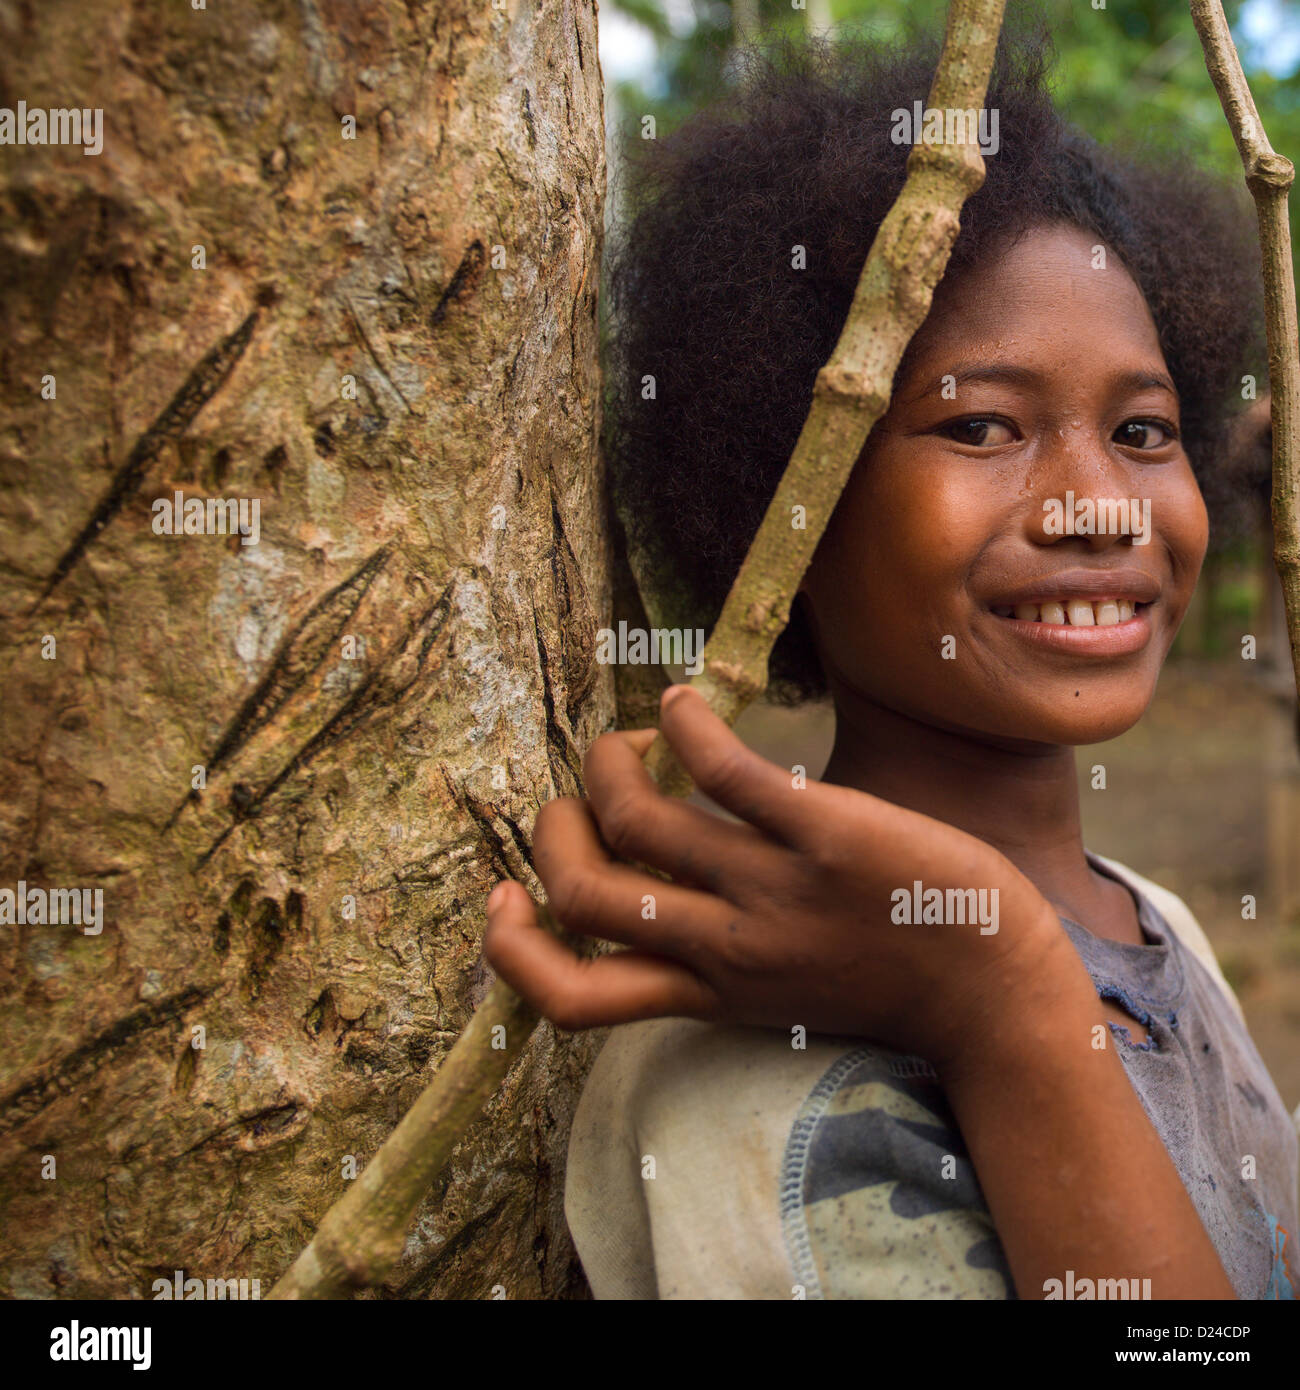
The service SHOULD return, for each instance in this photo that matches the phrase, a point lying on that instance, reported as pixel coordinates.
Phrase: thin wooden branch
(1269, 177)
(361, 1236)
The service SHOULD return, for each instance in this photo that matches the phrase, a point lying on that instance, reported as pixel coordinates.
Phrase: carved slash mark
(32, 1096)
(298, 656)
(380, 688)
(370, 341)
(541, 1184)
(473, 1236)
(508, 851)
(465, 278)
(263, 1129)
(528, 121)
(266, 935)
(430, 868)
(576, 622)
(212, 372)
(566, 766)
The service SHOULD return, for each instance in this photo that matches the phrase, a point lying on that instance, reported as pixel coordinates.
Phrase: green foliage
(1131, 74)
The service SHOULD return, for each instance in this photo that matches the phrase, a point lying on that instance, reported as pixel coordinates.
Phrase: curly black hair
(701, 295)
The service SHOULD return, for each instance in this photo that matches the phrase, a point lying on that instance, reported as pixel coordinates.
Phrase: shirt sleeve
(881, 1197)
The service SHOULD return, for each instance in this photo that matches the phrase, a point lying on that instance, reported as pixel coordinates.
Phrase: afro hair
(701, 294)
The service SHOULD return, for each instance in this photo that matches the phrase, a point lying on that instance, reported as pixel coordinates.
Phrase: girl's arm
(1074, 1174)
(798, 916)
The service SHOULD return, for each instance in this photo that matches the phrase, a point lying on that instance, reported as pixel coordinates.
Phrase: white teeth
(1106, 612)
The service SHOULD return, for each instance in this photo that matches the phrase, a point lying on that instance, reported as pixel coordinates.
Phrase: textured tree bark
(294, 768)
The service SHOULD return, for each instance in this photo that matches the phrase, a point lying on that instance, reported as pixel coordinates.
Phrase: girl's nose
(1082, 491)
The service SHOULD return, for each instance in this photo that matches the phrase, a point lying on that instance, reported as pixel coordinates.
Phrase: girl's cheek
(1180, 520)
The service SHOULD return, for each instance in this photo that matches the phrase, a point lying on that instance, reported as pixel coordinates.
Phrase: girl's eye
(979, 431)
(1145, 434)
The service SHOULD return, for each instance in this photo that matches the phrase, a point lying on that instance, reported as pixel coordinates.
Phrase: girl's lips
(1119, 639)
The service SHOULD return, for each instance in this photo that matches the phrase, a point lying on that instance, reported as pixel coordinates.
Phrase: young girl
(898, 1034)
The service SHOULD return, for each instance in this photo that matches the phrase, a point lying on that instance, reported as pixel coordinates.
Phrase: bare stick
(1269, 176)
(361, 1236)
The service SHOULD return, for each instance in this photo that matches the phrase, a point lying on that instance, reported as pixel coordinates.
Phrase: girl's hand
(785, 919)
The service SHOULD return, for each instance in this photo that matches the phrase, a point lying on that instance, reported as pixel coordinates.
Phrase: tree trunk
(293, 763)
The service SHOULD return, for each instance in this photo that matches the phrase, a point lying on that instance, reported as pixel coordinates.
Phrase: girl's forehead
(1056, 285)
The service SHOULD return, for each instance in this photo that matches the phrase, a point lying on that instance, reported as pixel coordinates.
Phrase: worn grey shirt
(720, 1162)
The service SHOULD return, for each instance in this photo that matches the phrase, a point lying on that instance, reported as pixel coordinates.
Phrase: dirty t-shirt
(711, 1161)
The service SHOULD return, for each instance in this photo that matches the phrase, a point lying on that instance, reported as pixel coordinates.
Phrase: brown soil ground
(1203, 797)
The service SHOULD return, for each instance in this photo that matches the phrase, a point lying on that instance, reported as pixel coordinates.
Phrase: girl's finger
(575, 993)
(593, 896)
(733, 775)
(637, 821)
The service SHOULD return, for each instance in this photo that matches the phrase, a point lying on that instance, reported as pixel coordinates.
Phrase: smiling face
(969, 516)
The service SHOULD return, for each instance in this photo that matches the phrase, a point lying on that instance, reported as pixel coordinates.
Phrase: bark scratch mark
(29, 1097)
(380, 688)
(385, 369)
(207, 378)
(464, 1244)
(263, 1129)
(575, 618)
(300, 655)
(566, 766)
(297, 658)
(506, 851)
(465, 277)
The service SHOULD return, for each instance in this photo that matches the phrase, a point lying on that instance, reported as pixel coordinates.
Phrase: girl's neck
(1023, 800)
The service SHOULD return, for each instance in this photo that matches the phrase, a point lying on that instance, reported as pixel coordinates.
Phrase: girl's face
(1035, 388)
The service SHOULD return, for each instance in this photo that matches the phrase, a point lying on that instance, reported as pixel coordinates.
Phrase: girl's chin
(1089, 720)
(1073, 714)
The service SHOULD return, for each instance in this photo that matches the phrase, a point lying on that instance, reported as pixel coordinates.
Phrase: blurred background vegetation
(1129, 74)
(1130, 71)
(1203, 795)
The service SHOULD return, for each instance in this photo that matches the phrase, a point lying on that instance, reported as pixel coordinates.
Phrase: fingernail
(495, 896)
(674, 692)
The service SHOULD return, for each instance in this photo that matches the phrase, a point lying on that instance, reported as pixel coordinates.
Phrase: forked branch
(1269, 177)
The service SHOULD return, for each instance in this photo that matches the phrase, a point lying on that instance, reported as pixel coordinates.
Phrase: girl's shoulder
(1181, 920)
